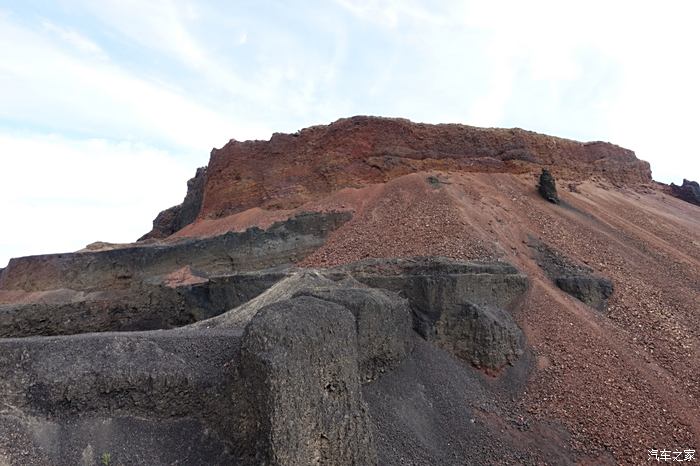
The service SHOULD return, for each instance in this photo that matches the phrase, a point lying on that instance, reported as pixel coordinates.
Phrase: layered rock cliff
(292, 169)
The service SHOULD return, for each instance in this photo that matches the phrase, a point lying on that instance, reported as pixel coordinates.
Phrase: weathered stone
(383, 319)
(362, 150)
(283, 243)
(591, 290)
(145, 398)
(573, 278)
(547, 187)
(383, 322)
(299, 364)
(142, 306)
(449, 299)
(177, 217)
(689, 191)
(485, 336)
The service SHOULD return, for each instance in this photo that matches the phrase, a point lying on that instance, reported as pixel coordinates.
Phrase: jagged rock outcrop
(547, 187)
(689, 191)
(175, 218)
(384, 336)
(383, 318)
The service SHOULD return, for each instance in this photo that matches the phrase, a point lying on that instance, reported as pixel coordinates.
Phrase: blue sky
(107, 107)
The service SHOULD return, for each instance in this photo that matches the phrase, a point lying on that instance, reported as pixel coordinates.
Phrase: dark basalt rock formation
(142, 306)
(177, 217)
(459, 306)
(547, 187)
(689, 191)
(283, 244)
(383, 320)
(276, 380)
(300, 366)
(591, 290)
(575, 279)
(124, 289)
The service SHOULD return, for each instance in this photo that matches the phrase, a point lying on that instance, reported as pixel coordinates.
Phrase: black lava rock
(548, 187)
(689, 191)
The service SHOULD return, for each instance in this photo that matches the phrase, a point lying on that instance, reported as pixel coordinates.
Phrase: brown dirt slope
(620, 382)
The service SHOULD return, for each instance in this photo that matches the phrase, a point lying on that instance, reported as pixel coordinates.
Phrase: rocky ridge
(292, 169)
(386, 293)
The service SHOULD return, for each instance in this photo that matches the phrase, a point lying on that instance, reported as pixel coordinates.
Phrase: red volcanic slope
(291, 169)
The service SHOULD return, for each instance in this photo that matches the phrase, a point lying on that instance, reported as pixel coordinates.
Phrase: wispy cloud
(73, 38)
(60, 90)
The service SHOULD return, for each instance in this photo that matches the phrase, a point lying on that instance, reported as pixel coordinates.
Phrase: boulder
(573, 278)
(547, 187)
(485, 336)
(689, 191)
(589, 289)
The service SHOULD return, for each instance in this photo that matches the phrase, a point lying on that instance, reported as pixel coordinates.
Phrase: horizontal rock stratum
(292, 169)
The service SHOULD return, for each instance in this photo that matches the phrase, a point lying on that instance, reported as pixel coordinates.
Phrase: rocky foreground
(373, 291)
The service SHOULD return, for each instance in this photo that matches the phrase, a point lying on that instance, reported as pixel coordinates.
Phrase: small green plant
(106, 459)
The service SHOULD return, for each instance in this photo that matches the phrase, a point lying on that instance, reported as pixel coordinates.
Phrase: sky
(107, 107)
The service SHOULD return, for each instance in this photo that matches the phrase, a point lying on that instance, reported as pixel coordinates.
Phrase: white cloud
(61, 194)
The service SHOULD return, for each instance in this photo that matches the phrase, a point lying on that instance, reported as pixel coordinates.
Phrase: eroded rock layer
(291, 169)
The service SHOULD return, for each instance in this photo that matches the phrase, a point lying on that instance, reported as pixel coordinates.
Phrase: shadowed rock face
(589, 289)
(485, 336)
(575, 279)
(689, 191)
(459, 306)
(146, 398)
(276, 380)
(547, 187)
(383, 326)
(299, 362)
(175, 218)
(142, 306)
